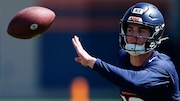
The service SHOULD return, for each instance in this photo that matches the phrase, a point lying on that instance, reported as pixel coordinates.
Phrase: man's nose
(133, 39)
(135, 33)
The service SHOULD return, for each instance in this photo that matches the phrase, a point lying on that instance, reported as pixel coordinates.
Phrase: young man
(143, 73)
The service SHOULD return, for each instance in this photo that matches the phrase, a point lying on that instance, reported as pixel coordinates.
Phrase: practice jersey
(155, 80)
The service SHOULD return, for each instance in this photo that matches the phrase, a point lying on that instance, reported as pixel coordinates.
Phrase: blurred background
(44, 67)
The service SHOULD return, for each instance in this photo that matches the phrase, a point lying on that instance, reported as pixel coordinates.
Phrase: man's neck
(140, 59)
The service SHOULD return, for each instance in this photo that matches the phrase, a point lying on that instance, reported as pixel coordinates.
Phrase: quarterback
(143, 73)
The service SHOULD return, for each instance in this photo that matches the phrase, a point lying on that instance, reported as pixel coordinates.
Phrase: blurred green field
(56, 99)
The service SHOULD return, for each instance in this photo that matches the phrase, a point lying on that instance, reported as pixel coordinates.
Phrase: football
(30, 22)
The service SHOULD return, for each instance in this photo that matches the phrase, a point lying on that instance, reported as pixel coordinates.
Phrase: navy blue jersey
(155, 80)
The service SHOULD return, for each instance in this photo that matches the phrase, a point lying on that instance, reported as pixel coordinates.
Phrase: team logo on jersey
(126, 96)
(150, 60)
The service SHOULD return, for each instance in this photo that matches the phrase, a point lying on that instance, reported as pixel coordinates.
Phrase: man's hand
(83, 57)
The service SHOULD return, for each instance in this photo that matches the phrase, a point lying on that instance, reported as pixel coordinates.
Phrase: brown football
(30, 22)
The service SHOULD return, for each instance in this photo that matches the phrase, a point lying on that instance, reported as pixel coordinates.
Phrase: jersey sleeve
(146, 79)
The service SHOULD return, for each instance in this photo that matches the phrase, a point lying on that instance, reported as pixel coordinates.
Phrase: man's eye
(129, 30)
(142, 31)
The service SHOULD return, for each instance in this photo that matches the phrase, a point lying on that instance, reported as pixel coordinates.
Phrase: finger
(78, 43)
(77, 59)
(74, 43)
